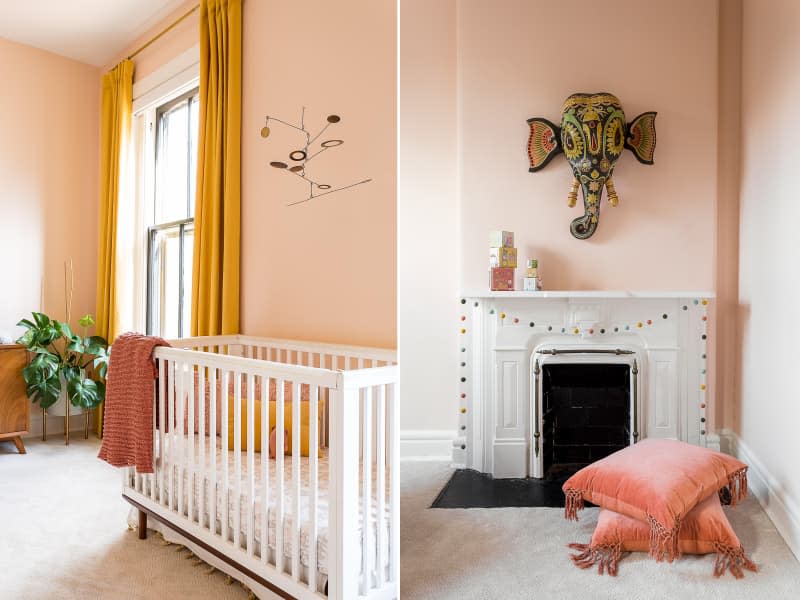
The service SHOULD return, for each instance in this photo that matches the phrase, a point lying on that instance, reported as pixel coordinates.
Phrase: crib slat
(296, 493)
(265, 429)
(180, 367)
(251, 461)
(190, 442)
(313, 451)
(366, 499)
(279, 437)
(200, 394)
(225, 455)
(171, 419)
(380, 424)
(162, 400)
(212, 441)
(394, 485)
(237, 457)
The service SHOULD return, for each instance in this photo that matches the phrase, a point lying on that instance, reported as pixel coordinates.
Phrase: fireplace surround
(518, 349)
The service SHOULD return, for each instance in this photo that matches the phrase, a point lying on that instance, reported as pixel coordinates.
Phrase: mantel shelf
(591, 294)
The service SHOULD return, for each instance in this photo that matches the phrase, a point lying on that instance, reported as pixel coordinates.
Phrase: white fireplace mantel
(591, 294)
(501, 333)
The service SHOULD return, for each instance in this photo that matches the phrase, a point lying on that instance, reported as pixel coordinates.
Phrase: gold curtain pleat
(115, 125)
(215, 280)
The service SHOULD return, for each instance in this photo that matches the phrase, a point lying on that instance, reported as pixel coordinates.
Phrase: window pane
(194, 105)
(172, 164)
(188, 249)
(166, 282)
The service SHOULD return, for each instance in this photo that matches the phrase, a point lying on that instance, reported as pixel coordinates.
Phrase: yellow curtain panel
(115, 125)
(215, 280)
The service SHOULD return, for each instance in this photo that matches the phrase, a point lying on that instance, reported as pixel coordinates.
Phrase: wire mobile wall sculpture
(301, 157)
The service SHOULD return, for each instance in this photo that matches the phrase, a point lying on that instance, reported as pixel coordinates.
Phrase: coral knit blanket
(128, 417)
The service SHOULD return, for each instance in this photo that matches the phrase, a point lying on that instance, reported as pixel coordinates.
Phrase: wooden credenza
(15, 410)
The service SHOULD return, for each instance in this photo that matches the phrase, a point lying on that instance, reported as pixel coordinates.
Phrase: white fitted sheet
(201, 477)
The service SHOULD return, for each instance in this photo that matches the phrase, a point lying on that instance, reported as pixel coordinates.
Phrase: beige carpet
(520, 553)
(64, 535)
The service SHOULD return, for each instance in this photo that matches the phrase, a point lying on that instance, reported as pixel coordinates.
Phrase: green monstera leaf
(84, 392)
(42, 382)
(60, 355)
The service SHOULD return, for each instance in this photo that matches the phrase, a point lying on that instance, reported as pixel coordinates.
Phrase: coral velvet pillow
(704, 530)
(657, 482)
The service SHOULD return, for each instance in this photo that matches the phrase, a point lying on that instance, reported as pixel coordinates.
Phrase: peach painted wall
(49, 127)
(428, 226)
(326, 269)
(523, 61)
(769, 278)
(727, 254)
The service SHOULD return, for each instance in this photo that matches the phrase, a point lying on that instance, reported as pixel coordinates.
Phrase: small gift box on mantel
(501, 239)
(502, 279)
(502, 257)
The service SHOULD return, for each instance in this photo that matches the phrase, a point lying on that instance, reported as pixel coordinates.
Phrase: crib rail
(258, 510)
(298, 352)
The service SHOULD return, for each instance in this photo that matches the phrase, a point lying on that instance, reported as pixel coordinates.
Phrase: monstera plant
(63, 357)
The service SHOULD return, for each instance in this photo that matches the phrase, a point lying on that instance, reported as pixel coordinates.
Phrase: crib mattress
(200, 479)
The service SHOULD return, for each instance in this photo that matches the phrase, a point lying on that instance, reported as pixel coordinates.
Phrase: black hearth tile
(471, 489)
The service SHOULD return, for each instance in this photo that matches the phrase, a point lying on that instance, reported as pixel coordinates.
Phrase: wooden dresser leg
(20, 446)
(142, 525)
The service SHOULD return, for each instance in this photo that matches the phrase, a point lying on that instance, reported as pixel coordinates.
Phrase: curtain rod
(166, 30)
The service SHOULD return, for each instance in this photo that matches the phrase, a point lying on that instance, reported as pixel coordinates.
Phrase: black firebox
(586, 414)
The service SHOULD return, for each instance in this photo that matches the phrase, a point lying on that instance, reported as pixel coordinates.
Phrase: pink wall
(523, 61)
(427, 225)
(766, 413)
(49, 169)
(326, 269)
(727, 252)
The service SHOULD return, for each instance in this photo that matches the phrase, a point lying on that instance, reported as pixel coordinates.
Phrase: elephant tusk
(613, 199)
(572, 197)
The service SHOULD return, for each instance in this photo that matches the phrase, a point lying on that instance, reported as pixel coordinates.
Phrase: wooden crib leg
(142, 525)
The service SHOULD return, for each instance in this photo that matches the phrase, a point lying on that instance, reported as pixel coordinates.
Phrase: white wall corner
(782, 509)
(426, 444)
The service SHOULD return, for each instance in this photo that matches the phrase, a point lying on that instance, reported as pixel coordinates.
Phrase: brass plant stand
(86, 415)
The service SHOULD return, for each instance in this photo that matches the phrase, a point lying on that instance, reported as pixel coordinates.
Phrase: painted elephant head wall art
(592, 136)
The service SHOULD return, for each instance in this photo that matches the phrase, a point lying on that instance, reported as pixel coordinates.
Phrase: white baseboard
(426, 444)
(782, 509)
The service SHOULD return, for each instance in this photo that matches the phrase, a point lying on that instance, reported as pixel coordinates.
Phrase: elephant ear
(641, 138)
(544, 142)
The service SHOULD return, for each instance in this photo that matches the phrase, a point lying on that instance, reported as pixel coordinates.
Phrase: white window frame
(174, 79)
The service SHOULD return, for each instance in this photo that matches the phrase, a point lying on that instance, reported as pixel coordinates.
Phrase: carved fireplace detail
(651, 345)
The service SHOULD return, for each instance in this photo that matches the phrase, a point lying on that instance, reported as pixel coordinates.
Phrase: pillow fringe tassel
(737, 484)
(605, 556)
(663, 541)
(730, 558)
(573, 503)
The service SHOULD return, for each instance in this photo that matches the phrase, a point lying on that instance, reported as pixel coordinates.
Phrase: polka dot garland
(576, 330)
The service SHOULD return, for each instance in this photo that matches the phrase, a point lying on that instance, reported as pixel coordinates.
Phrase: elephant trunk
(584, 226)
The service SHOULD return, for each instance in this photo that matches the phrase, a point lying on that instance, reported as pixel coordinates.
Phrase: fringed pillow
(657, 482)
(704, 530)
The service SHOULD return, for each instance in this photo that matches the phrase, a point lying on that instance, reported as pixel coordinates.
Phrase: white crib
(274, 523)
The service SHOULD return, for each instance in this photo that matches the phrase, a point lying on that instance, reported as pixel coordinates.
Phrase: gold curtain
(115, 125)
(215, 275)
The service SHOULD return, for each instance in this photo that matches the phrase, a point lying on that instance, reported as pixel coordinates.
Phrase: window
(170, 230)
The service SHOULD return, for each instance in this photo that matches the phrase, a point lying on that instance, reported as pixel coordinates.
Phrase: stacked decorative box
(502, 260)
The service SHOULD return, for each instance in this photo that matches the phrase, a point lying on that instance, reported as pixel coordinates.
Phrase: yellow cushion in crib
(287, 424)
